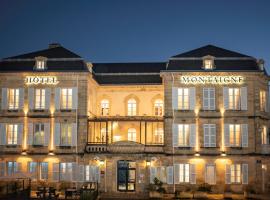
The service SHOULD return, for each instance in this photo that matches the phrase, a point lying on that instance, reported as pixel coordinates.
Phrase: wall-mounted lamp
(24, 153)
(197, 154)
(101, 162)
(223, 153)
(148, 163)
(51, 153)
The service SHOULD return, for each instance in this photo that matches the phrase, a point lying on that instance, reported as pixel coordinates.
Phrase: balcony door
(126, 176)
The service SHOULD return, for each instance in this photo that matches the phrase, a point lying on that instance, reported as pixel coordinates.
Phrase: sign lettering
(223, 80)
(44, 80)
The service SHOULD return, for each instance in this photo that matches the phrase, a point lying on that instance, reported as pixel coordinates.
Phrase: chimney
(261, 64)
(54, 45)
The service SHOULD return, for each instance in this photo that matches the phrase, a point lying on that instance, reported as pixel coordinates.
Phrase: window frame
(184, 173)
(208, 90)
(158, 107)
(132, 107)
(184, 129)
(13, 139)
(234, 133)
(105, 106)
(65, 140)
(66, 95)
(263, 101)
(264, 135)
(183, 101)
(13, 99)
(131, 133)
(236, 173)
(232, 99)
(40, 99)
(209, 127)
(39, 131)
(42, 172)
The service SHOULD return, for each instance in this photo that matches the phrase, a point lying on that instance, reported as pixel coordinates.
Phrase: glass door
(126, 175)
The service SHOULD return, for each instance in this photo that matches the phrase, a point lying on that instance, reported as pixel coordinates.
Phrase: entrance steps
(123, 196)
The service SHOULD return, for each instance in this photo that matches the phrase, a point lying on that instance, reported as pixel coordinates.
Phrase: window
(13, 99)
(236, 173)
(158, 136)
(235, 135)
(265, 137)
(234, 98)
(65, 137)
(208, 64)
(183, 135)
(158, 107)
(184, 173)
(40, 99)
(104, 107)
(183, 98)
(66, 98)
(210, 174)
(13, 167)
(132, 107)
(38, 138)
(92, 173)
(263, 102)
(209, 98)
(44, 170)
(65, 171)
(209, 135)
(40, 64)
(12, 134)
(132, 134)
(103, 135)
(32, 168)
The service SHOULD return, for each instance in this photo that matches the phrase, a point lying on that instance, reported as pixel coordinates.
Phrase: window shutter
(245, 173)
(74, 98)
(47, 134)
(4, 99)
(213, 135)
(162, 172)
(192, 175)
(97, 174)
(153, 174)
(92, 173)
(226, 135)
(57, 98)
(55, 171)
(175, 98)
(243, 98)
(3, 134)
(175, 135)
(74, 134)
(244, 133)
(192, 98)
(21, 98)
(212, 97)
(192, 137)
(47, 98)
(2, 168)
(226, 98)
(176, 173)
(170, 175)
(205, 98)
(74, 174)
(80, 173)
(30, 134)
(20, 134)
(31, 98)
(57, 134)
(227, 174)
(206, 135)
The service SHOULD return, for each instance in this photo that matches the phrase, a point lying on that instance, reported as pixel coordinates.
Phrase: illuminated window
(132, 134)
(12, 167)
(265, 136)
(65, 171)
(104, 107)
(13, 99)
(132, 107)
(183, 98)
(158, 136)
(40, 64)
(234, 98)
(208, 64)
(38, 138)
(66, 131)
(263, 102)
(208, 98)
(66, 98)
(235, 135)
(235, 173)
(44, 170)
(183, 135)
(103, 135)
(158, 107)
(32, 169)
(184, 173)
(12, 134)
(39, 99)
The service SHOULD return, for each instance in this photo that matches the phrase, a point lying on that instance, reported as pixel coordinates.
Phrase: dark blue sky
(134, 31)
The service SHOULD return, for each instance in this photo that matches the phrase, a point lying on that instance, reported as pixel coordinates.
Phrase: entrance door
(126, 175)
(210, 174)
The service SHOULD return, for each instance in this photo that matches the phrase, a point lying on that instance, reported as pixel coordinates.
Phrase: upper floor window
(132, 134)
(265, 136)
(209, 135)
(103, 135)
(183, 98)
(12, 134)
(208, 64)
(66, 134)
(158, 136)
(158, 107)
(40, 63)
(132, 107)
(13, 99)
(38, 136)
(105, 107)
(183, 135)
(66, 98)
(263, 102)
(209, 98)
(234, 98)
(235, 135)
(40, 99)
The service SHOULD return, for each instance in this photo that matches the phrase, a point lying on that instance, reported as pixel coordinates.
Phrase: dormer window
(208, 63)
(40, 63)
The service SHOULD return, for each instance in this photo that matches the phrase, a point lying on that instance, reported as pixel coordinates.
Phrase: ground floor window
(126, 175)
(210, 174)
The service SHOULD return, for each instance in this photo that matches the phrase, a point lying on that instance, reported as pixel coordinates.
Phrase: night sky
(135, 31)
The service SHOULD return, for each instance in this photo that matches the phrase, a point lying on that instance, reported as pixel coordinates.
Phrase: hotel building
(200, 117)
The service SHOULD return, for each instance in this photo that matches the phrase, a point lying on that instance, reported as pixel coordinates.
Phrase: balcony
(125, 135)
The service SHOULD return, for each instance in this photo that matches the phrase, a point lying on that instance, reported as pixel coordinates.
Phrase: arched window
(132, 107)
(158, 106)
(105, 107)
(132, 134)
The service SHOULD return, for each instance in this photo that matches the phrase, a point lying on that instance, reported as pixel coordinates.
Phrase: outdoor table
(70, 192)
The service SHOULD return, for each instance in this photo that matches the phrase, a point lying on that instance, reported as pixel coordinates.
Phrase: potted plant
(185, 192)
(227, 192)
(156, 189)
(249, 191)
(203, 190)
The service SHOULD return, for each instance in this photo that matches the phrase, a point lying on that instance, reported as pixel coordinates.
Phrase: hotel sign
(222, 80)
(44, 80)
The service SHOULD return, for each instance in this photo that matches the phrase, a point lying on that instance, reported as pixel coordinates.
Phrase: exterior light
(101, 162)
(197, 154)
(24, 153)
(51, 153)
(148, 163)
(223, 153)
